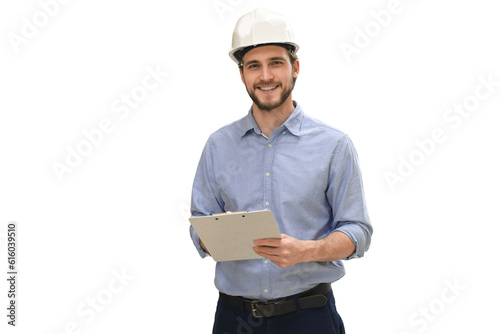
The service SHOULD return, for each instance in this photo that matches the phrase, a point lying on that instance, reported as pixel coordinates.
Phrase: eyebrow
(278, 58)
(251, 62)
(254, 61)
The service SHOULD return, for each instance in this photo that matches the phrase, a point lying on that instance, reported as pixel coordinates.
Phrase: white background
(125, 206)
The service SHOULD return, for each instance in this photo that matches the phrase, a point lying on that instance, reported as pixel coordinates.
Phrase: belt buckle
(254, 305)
(264, 308)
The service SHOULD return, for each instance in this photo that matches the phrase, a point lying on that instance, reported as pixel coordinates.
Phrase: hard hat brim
(237, 54)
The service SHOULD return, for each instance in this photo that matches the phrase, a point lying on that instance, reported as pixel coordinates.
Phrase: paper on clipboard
(229, 236)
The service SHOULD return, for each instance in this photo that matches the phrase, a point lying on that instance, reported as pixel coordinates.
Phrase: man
(304, 171)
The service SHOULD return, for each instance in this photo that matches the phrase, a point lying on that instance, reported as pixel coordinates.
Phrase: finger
(268, 242)
(267, 251)
(276, 259)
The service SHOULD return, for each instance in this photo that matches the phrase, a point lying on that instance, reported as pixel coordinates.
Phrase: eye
(277, 63)
(253, 66)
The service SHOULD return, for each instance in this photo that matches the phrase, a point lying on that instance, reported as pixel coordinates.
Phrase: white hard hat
(261, 26)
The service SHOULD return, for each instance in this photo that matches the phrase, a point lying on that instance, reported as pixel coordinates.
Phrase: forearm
(336, 246)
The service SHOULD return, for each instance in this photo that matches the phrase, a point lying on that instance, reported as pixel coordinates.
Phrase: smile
(268, 88)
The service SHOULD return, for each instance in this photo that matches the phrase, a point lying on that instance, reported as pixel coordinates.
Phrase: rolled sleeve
(359, 236)
(345, 193)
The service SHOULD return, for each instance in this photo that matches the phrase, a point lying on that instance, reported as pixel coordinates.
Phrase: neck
(270, 120)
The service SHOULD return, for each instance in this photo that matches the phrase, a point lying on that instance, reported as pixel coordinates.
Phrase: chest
(253, 176)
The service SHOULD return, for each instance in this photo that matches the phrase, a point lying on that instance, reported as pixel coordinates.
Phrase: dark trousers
(230, 319)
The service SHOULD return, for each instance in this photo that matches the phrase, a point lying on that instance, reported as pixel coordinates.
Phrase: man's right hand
(203, 246)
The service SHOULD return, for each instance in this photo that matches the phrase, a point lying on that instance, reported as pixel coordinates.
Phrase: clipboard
(229, 236)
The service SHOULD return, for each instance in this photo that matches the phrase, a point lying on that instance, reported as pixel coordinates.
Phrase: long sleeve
(345, 193)
(205, 198)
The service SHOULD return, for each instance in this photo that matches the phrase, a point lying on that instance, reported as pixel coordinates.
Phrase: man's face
(268, 76)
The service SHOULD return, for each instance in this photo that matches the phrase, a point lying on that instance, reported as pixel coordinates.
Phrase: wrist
(311, 250)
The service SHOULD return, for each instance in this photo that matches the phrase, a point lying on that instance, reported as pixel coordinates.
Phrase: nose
(266, 73)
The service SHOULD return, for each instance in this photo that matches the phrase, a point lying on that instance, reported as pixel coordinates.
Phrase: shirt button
(267, 203)
(266, 262)
(266, 291)
(284, 132)
(270, 145)
(267, 174)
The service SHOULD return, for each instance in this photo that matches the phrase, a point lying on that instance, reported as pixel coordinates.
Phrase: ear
(296, 69)
(241, 75)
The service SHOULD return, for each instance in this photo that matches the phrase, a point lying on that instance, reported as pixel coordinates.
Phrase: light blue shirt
(306, 173)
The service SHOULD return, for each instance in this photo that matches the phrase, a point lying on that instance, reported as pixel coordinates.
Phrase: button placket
(268, 161)
(269, 151)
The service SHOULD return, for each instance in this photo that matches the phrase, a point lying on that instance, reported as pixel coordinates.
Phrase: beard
(271, 105)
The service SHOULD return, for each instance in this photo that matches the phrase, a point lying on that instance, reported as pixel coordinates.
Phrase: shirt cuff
(358, 236)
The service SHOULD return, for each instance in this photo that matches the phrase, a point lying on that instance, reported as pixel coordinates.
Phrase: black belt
(312, 298)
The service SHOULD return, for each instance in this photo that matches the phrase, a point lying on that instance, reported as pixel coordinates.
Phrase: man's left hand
(284, 252)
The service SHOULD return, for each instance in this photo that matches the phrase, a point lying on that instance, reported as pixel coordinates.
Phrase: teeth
(268, 88)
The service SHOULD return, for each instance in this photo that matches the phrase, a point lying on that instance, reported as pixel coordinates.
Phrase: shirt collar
(292, 123)
(295, 120)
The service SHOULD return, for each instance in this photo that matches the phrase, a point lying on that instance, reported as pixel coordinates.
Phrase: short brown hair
(291, 52)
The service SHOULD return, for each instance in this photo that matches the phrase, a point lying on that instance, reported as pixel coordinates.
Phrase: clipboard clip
(228, 213)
